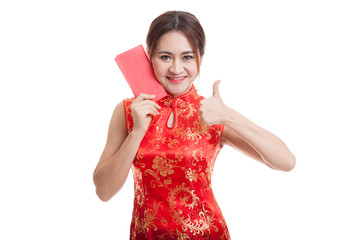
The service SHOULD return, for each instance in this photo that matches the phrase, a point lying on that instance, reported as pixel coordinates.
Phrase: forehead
(174, 41)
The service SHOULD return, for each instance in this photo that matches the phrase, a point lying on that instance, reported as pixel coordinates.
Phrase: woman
(172, 144)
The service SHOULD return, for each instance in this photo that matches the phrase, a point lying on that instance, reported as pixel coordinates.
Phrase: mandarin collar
(170, 101)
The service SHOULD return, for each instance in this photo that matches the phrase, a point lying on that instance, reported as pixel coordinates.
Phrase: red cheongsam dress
(172, 174)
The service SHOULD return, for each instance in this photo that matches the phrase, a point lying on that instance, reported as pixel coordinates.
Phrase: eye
(165, 57)
(188, 57)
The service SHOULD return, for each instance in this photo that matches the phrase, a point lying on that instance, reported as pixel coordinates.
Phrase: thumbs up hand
(212, 110)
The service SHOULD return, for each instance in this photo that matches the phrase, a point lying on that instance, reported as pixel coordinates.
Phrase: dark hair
(181, 21)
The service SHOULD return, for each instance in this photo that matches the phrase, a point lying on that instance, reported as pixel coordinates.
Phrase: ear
(148, 56)
(148, 53)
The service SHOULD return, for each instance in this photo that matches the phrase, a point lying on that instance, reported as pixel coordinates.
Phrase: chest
(178, 134)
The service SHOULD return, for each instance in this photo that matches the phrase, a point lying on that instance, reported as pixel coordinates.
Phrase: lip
(176, 80)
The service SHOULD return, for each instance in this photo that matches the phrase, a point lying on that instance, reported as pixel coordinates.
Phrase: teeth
(179, 78)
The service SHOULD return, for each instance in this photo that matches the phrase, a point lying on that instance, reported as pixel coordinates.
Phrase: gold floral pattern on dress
(202, 226)
(186, 110)
(167, 101)
(150, 214)
(191, 175)
(195, 133)
(139, 192)
(182, 195)
(172, 142)
(163, 165)
(200, 130)
(198, 155)
(172, 173)
(174, 235)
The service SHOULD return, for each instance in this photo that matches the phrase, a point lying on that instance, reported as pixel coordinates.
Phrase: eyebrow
(169, 53)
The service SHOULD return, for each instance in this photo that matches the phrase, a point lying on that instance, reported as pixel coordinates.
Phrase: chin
(177, 90)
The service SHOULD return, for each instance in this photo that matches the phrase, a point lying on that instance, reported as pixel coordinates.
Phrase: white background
(290, 66)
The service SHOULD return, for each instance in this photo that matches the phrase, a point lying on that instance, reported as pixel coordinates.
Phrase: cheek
(159, 68)
(193, 69)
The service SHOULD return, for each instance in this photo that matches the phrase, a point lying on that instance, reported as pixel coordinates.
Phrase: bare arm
(260, 144)
(244, 135)
(120, 150)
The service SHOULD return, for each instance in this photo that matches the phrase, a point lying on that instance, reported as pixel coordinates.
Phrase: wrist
(229, 116)
(137, 133)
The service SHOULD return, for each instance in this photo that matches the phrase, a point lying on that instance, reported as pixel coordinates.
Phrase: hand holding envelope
(136, 68)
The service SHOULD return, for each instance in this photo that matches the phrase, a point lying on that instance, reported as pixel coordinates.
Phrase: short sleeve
(219, 129)
(128, 117)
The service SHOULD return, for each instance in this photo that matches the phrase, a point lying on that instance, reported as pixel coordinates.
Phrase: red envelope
(136, 68)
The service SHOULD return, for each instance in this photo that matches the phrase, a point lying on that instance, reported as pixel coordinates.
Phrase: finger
(216, 91)
(148, 102)
(147, 108)
(154, 112)
(144, 96)
(201, 103)
(150, 111)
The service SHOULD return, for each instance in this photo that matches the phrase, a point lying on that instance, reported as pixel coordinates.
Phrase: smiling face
(174, 63)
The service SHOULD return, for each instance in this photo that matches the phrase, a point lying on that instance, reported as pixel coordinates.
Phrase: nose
(176, 67)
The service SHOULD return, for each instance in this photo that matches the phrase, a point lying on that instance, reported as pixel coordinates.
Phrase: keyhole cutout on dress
(171, 120)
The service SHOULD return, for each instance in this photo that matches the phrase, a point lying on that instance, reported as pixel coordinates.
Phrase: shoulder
(128, 100)
(118, 114)
(121, 110)
(195, 98)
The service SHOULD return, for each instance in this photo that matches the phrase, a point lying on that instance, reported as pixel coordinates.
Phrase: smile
(176, 80)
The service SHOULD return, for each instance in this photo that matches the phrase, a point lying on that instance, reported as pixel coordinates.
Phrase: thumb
(216, 91)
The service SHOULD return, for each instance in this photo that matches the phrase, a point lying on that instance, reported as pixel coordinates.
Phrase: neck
(179, 95)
